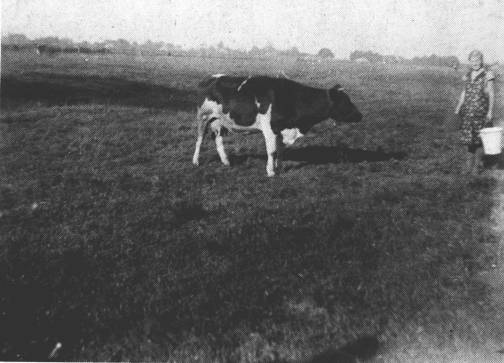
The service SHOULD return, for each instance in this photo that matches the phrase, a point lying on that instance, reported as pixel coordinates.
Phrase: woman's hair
(476, 53)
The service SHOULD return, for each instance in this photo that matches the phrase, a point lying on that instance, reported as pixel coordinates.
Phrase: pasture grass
(113, 244)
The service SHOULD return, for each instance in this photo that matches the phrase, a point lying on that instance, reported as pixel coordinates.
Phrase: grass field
(113, 244)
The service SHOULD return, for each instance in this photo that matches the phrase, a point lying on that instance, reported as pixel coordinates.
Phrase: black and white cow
(282, 109)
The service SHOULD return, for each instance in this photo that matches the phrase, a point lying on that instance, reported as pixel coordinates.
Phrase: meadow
(113, 244)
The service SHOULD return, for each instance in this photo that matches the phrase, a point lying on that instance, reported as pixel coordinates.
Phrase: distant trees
(293, 51)
(122, 45)
(432, 60)
(325, 53)
(368, 55)
(55, 45)
(17, 39)
(52, 41)
(270, 51)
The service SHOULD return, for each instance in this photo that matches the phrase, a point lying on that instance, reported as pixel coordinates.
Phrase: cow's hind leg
(199, 141)
(219, 141)
(201, 125)
(218, 131)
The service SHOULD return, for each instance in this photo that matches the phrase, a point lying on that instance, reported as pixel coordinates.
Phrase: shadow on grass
(57, 89)
(363, 348)
(494, 161)
(326, 155)
(339, 154)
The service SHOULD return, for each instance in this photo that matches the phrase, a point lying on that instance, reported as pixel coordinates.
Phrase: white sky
(400, 27)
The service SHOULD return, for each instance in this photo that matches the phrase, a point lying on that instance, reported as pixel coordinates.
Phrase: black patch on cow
(293, 105)
(342, 109)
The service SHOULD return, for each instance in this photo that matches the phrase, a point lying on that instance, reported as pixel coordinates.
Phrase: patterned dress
(474, 108)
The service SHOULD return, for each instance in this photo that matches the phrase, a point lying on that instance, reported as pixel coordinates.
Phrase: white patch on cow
(55, 350)
(216, 126)
(218, 75)
(242, 84)
(210, 109)
(289, 136)
(257, 103)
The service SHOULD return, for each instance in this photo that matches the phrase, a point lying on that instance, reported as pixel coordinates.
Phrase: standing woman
(475, 108)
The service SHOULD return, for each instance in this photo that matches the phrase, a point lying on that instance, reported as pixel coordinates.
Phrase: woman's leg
(478, 160)
(469, 161)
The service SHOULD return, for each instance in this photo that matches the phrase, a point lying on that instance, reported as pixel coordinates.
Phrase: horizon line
(217, 46)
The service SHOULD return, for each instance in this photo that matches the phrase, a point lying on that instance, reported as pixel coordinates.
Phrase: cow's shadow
(339, 154)
(326, 155)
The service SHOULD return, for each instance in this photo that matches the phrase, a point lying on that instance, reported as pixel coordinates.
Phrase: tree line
(52, 45)
(431, 60)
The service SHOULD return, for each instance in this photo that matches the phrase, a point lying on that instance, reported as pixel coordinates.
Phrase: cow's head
(342, 109)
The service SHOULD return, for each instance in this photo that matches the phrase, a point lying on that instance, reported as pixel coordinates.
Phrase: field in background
(113, 244)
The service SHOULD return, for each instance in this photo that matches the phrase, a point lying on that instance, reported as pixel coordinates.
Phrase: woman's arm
(491, 99)
(461, 101)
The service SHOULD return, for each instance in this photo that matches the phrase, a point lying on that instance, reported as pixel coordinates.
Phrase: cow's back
(220, 88)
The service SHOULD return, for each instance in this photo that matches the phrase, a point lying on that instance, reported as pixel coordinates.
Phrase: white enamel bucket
(492, 140)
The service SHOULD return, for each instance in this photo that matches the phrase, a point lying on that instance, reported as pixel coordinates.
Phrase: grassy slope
(131, 253)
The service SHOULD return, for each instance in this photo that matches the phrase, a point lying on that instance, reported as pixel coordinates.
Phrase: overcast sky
(401, 27)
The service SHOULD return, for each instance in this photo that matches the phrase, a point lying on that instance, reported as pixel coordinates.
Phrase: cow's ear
(338, 87)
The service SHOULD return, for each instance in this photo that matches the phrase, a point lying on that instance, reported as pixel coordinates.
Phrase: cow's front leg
(271, 149)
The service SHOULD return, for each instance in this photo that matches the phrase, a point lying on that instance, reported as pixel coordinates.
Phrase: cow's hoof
(271, 174)
(226, 163)
(195, 162)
